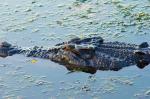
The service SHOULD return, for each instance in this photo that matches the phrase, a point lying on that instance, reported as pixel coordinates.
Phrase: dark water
(46, 22)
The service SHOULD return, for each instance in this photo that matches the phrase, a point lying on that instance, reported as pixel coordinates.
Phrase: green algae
(147, 93)
(141, 16)
(82, 1)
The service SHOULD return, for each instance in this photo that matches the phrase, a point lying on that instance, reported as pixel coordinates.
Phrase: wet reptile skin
(88, 54)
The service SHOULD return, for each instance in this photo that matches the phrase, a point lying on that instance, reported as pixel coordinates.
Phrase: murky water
(46, 22)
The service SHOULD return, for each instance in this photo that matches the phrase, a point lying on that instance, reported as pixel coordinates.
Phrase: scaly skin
(88, 54)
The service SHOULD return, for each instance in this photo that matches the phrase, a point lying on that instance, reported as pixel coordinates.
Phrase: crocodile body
(87, 54)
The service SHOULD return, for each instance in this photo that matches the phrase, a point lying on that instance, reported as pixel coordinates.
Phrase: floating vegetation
(144, 94)
(27, 10)
(147, 93)
(42, 22)
(122, 80)
(86, 88)
(34, 61)
(35, 30)
(141, 16)
(82, 1)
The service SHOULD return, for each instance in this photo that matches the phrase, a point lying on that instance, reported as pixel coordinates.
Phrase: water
(47, 22)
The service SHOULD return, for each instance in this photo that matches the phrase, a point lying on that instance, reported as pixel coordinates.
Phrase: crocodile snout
(142, 58)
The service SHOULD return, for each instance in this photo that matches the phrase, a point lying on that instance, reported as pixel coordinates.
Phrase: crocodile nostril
(142, 63)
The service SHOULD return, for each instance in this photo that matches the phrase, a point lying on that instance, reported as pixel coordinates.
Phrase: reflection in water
(73, 68)
(53, 21)
(86, 69)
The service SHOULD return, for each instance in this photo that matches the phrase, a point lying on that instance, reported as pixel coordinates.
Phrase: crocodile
(87, 54)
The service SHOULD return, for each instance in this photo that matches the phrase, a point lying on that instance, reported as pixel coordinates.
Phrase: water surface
(28, 23)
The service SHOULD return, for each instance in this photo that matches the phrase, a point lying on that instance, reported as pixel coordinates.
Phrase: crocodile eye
(64, 59)
(75, 40)
(69, 47)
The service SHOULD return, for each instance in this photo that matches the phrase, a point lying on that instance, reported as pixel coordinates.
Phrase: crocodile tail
(3, 52)
(6, 49)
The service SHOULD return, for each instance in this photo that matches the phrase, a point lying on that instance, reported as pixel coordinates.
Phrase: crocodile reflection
(73, 68)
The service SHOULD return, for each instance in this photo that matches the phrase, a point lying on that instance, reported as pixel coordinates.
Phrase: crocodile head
(142, 57)
(74, 57)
